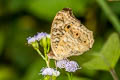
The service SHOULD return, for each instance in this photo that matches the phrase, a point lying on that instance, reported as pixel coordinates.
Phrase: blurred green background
(20, 19)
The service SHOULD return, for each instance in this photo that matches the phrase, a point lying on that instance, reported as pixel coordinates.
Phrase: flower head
(41, 35)
(71, 66)
(31, 40)
(50, 72)
(61, 63)
(47, 71)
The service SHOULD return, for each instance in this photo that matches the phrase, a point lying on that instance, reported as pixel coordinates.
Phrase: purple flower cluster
(41, 35)
(50, 72)
(61, 63)
(37, 37)
(31, 40)
(70, 66)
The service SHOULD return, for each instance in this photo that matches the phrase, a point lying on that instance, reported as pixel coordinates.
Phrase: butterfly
(68, 36)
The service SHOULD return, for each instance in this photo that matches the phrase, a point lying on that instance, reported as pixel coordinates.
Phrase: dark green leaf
(106, 58)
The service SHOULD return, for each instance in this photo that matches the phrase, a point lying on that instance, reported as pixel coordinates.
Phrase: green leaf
(106, 58)
(96, 63)
(111, 50)
(109, 13)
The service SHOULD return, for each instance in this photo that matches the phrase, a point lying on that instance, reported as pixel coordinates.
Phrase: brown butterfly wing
(58, 28)
(68, 36)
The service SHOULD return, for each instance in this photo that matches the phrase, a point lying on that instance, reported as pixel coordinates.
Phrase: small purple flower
(61, 63)
(71, 66)
(50, 72)
(31, 40)
(47, 71)
(41, 35)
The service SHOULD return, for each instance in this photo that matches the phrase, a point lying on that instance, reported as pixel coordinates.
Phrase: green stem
(69, 76)
(53, 77)
(47, 77)
(47, 63)
(48, 48)
(45, 52)
(40, 53)
(114, 75)
(112, 17)
(44, 58)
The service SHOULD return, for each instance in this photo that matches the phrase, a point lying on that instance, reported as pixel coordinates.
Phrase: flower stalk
(40, 54)
(69, 76)
(113, 73)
